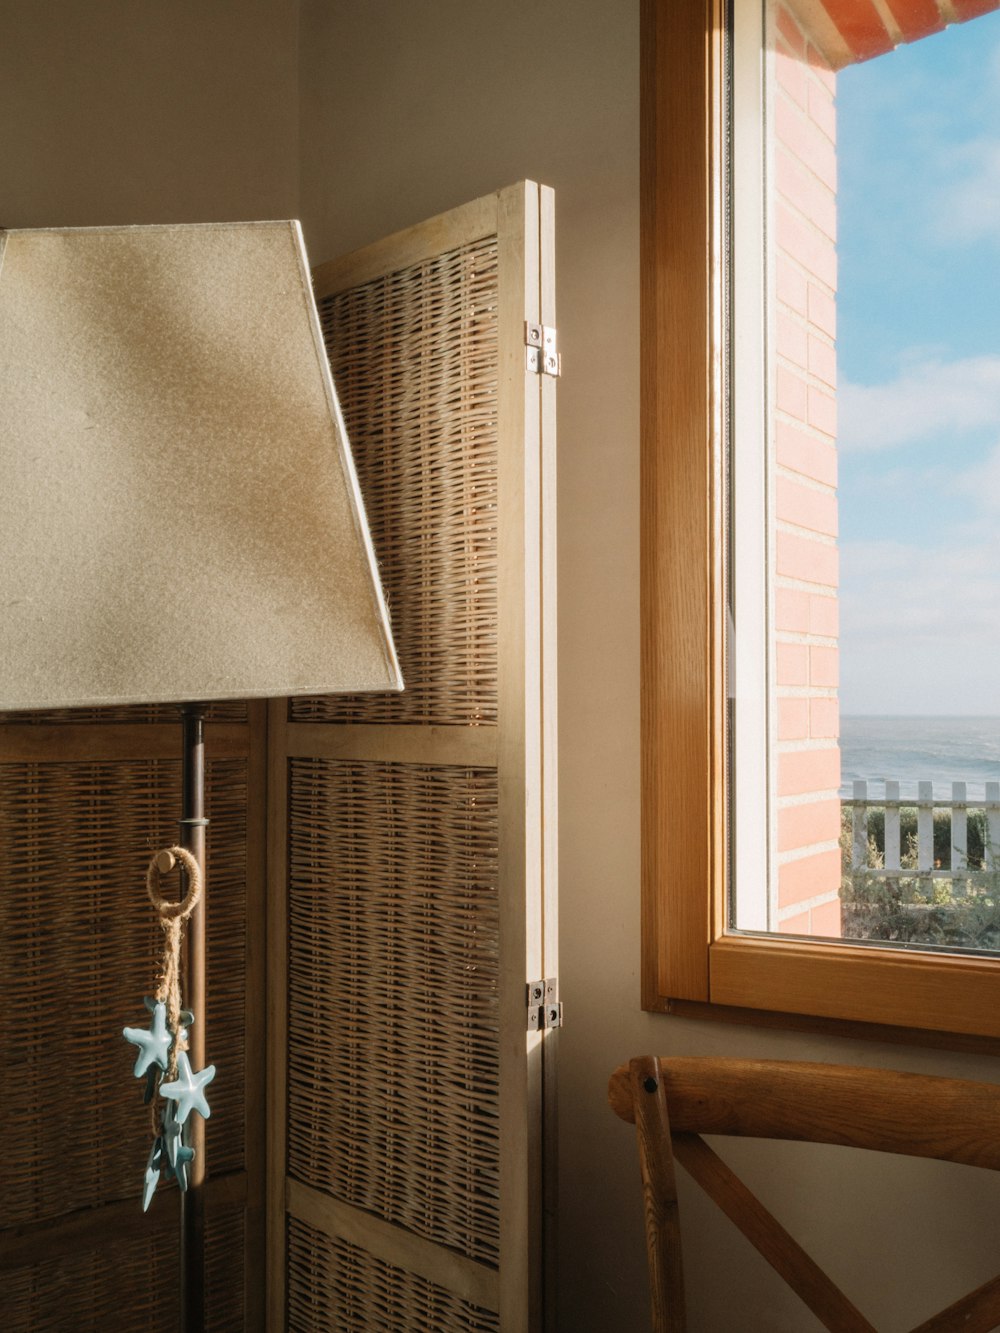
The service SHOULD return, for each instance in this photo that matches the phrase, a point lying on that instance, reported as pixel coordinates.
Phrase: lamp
(180, 518)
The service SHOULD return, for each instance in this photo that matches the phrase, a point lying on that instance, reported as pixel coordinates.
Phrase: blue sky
(919, 375)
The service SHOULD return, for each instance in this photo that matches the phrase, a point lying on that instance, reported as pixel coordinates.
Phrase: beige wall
(130, 110)
(116, 111)
(408, 108)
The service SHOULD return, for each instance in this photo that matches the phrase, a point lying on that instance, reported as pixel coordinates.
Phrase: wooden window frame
(690, 964)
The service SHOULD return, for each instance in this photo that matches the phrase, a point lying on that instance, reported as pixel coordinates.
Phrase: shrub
(905, 907)
(976, 835)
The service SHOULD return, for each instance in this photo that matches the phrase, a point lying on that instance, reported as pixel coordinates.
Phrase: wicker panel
(414, 355)
(227, 711)
(393, 1006)
(335, 1286)
(225, 1276)
(78, 949)
(226, 964)
(128, 1285)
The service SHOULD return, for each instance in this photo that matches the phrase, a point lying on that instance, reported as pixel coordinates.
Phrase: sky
(918, 348)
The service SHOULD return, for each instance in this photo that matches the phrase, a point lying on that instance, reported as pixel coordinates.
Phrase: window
(713, 702)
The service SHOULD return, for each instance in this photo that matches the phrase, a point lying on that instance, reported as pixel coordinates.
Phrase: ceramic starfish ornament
(188, 1089)
(178, 1153)
(170, 1129)
(153, 1042)
(156, 1160)
(179, 1171)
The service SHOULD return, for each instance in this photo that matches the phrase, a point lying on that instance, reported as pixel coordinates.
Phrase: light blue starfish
(178, 1153)
(178, 1157)
(154, 1162)
(188, 1090)
(171, 1125)
(180, 1168)
(154, 1044)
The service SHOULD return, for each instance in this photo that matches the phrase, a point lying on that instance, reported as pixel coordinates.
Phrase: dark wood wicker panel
(335, 1287)
(227, 711)
(393, 1048)
(128, 1285)
(78, 949)
(225, 1279)
(414, 357)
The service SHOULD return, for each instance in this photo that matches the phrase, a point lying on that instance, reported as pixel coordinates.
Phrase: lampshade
(179, 512)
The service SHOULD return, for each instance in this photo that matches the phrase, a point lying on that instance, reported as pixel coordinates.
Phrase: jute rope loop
(172, 916)
(191, 899)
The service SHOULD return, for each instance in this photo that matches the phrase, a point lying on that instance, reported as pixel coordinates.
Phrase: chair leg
(663, 1236)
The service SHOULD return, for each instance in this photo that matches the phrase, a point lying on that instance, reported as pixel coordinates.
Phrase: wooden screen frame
(521, 745)
(690, 965)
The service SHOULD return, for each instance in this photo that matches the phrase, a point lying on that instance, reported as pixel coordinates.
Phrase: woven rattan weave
(335, 1287)
(414, 355)
(78, 946)
(393, 1013)
(226, 711)
(128, 1285)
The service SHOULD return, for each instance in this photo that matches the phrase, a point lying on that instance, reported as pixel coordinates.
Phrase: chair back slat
(827, 1302)
(976, 1313)
(917, 1115)
(673, 1101)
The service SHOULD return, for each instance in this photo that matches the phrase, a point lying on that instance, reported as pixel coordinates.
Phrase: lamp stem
(192, 837)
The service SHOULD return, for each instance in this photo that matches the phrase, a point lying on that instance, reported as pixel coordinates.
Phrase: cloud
(926, 399)
(968, 208)
(920, 627)
(979, 486)
(927, 590)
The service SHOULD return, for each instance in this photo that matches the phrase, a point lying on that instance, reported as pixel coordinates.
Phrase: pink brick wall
(803, 183)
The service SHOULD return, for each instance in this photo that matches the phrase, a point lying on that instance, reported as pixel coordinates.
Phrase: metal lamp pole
(192, 838)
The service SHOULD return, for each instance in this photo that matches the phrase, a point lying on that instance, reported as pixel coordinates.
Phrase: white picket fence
(958, 803)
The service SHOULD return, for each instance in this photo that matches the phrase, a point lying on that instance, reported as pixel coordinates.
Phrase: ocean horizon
(911, 749)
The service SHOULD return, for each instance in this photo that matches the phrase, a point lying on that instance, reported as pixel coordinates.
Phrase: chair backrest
(673, 1101)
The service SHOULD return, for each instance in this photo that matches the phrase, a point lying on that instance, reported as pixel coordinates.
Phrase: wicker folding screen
(412, 838)
(84, 795)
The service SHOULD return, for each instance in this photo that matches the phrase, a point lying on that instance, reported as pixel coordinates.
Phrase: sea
(941, 750)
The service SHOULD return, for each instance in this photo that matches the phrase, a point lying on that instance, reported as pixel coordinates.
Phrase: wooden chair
(671, 1102)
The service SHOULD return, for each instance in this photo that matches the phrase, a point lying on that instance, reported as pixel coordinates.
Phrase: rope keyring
(172, 917)
(173, 1089)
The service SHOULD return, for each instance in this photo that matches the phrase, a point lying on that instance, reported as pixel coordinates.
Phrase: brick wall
(803, 221)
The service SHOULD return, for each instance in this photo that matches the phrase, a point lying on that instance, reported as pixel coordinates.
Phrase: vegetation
(960, 911)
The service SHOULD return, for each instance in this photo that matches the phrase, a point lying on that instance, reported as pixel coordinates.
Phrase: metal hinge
(542, 356)
(544, 1006)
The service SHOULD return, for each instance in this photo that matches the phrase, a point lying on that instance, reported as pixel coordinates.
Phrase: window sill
(842, 990)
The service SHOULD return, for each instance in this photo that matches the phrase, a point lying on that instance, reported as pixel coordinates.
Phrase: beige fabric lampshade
(179, 513)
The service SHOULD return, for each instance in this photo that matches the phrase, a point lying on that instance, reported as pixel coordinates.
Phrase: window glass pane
(864, 473)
